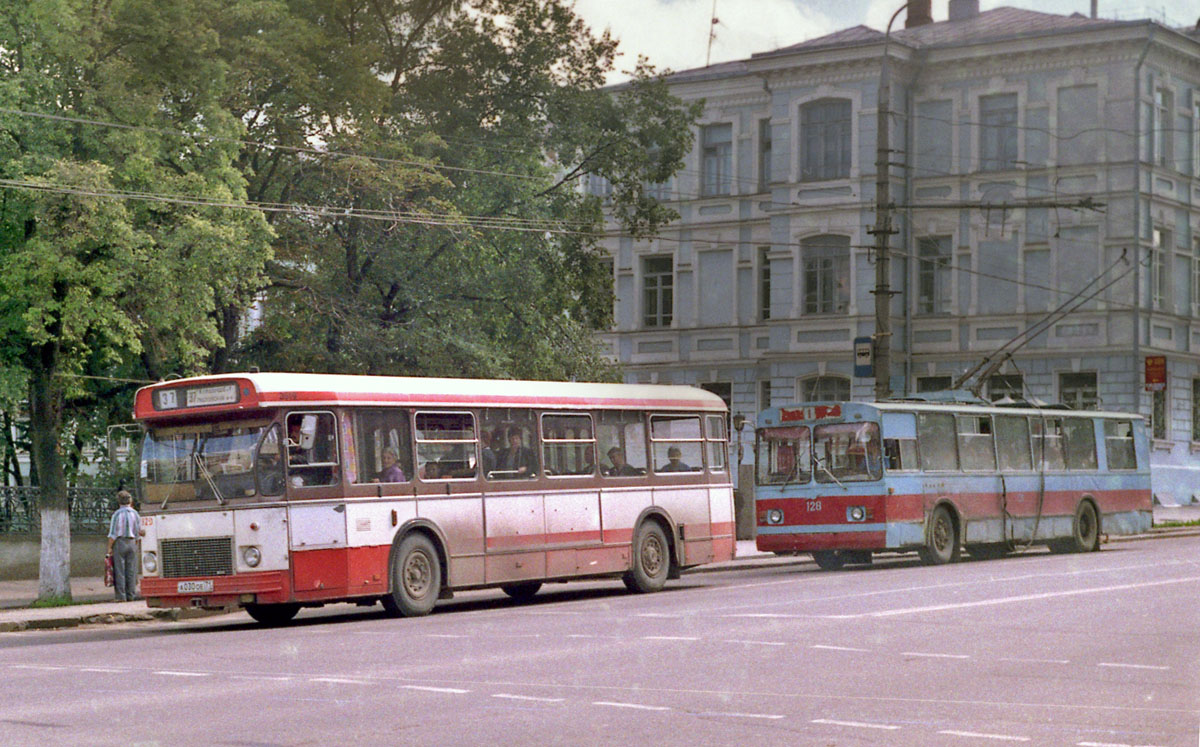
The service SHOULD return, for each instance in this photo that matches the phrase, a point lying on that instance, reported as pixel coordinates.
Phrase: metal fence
(90, 508)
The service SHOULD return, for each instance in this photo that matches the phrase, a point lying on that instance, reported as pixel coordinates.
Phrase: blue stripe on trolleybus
(821, 528)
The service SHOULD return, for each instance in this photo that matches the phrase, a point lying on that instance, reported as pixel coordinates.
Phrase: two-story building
(1002, 126)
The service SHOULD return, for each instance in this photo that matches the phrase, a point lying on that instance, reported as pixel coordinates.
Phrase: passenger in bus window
(487, 457)
(675, 461)
(431, 471)
(517, 461)
(620, 468)
(391, 471)
(589, 462)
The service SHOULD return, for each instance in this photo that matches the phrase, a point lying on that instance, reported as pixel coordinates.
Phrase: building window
(1160, 278)
(716, 166)
(764, 394)
(657, 291)
(825, 127)
(825, 389)
(1196, 409)
(826, 274)
(1195, 134)
(1079, 391)
(933, 275)
(1164, 133)
(998, 132)
(926, 384)
(1158, 414)
(1000, 386)
(764, 283)
(764, 155)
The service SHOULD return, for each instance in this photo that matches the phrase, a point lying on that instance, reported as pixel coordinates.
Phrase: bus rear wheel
(272, 614)
(416, 577)
(828, 560)
(651, 559)
(1085, 531)
(941, 539)
(522, 592)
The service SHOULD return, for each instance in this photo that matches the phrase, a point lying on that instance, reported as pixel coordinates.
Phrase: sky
(674, 33)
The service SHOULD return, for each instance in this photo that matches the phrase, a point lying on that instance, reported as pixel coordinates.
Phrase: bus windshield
(207, 463)
(847, 452)
(784, 455)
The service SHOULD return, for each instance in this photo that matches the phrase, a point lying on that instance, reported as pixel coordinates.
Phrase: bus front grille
(208, 556)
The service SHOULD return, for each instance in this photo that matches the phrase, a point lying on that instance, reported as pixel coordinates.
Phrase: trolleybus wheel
(416, 577)
(941, 539)
(522, 592)
(651, 559)
(272, 614)
(1085, 531)
(827, 560)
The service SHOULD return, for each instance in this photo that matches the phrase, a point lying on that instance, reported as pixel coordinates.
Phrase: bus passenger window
(975, 445)
(1048, 443)
(621, 439)
(900, 454)
(676, 441)
(718, 443)
(1079, 443)
(383, 445)
(1012, 443)
(936, 434)
(445, 445)
(567, 445)
(312, 449)
(1118, 444)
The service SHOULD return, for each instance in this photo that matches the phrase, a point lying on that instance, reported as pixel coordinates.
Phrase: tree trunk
(45, 424)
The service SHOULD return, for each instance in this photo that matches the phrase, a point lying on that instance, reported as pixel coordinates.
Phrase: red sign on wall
(1156, 373)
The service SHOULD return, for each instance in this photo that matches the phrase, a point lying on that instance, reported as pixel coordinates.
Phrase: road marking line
(859, 724)
(1108, 744)
(261, 677)
(636, 706)
(445, 635)
(934, 656)
(840, 648)
(1131, 666)
(43, 667)
(528, 697)
(658, 614)
(1037, 661)
(758, 643)
(168, 673)
(451, 690)
(669, 638)
(740, 715)
(105, 670)
(1022, 598)
(337, 681)
(588, 635)
(978, 735)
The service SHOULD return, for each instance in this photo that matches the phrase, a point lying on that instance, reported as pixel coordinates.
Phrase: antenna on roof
(712, 32)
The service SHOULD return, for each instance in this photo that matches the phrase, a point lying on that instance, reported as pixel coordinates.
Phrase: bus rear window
(784, 455)
(847, 452)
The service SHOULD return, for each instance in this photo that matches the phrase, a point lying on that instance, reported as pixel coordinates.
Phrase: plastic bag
(108, 570)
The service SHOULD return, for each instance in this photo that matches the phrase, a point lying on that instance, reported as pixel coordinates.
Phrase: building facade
(1037, 162)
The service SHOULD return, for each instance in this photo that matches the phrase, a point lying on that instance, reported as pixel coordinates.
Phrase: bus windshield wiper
(207, 475)
(821, 464)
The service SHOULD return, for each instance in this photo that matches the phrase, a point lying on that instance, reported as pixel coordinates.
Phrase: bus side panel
(619, 509)
(689, 509)
(516, 537)
(460, 518)
(720, 502)
(572, 519)
(371, 527)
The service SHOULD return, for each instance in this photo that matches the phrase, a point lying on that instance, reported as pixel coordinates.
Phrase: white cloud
(674, 33)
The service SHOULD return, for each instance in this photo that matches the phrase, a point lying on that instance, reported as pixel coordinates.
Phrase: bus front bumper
(265, 587)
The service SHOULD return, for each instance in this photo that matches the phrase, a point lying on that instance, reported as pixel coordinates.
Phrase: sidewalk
(93, 601)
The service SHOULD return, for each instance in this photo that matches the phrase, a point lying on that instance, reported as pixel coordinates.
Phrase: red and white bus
(275, 491)
(844, 480)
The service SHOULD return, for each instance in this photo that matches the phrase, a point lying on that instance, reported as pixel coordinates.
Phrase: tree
(89, 277)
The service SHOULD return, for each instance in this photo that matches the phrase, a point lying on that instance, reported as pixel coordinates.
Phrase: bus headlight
(856, 513)
(251, 556)
(150, 562)
(775, 516)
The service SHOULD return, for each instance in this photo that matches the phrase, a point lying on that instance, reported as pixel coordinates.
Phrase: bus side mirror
(308, 432)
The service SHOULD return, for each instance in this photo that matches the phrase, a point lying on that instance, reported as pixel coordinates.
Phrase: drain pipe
(1137, 220)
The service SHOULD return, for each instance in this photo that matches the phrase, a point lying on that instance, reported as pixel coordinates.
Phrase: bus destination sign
(222, 394)
(812, 412)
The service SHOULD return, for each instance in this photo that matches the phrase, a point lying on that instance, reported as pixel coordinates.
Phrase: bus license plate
(191, 587)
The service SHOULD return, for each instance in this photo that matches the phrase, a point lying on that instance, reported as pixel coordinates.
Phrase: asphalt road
(1098, 649)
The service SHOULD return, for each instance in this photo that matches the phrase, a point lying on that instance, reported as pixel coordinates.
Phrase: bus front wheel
(941, 539)
(272, 614)
(416, 577)
(828, 560)
(522, 592)
(1085, 531)
(651, 559)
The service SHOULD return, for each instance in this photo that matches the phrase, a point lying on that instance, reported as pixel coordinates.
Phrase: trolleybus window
(717, 443)
(976, 448)
(1012, 443)
(1079, 443)
(900, 441)
(567, 445)
(312, 449)
(445, 445)
(621, 437)
(784, 455)
(847, 452)
(1118, 444)
(382, 446)
(935, 431)
(1048, 442)
(676, 442)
